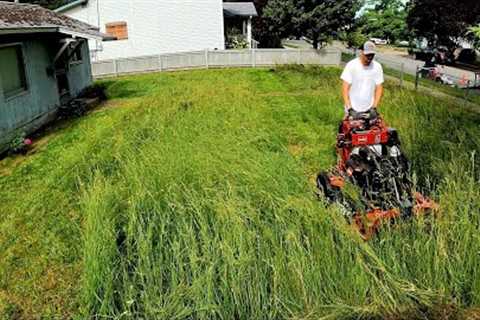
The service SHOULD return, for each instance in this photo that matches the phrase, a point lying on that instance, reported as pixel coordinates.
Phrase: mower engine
(370, 157)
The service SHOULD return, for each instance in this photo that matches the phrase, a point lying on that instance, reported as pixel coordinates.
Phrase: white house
(149, 27)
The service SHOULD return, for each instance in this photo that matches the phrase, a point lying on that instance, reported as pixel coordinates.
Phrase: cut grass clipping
(191, 195)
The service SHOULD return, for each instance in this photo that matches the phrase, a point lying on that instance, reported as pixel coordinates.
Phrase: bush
(19, 144)
(235, 39)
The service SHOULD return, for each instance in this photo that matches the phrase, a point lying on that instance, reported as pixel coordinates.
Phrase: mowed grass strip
(191, 195)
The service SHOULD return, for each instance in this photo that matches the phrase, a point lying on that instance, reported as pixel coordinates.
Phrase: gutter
(28, 30)
(70, 5)
(56, 29)
(75, 34)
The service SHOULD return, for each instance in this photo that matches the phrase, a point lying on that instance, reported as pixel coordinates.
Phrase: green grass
(191, 195)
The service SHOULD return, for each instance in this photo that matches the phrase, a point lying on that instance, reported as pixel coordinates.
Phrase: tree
(261, 30)
(319, 20)
(385, 19)
(442, 22)
(474, 32)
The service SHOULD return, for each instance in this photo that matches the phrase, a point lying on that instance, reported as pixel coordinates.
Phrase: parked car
(440, 55)
(463, 55)
(379, 41)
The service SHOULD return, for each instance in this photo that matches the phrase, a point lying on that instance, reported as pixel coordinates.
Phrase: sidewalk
(470, 106)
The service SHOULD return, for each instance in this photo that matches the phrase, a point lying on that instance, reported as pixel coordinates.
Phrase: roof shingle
(22, 17)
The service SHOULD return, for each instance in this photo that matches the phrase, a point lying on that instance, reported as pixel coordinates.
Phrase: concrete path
(410, 66)
(467, 105)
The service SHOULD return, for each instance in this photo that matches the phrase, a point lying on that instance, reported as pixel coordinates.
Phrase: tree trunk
(316, 39)
(315, 42)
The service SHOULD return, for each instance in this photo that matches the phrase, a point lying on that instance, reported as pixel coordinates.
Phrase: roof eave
(75, 34)
(70, 5)
(229, 14)
(5, 31)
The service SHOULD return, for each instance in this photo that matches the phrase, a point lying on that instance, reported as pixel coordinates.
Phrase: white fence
(215, 59)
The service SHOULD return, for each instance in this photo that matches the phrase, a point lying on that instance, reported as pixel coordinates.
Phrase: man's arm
(378, 95)
(346, 94)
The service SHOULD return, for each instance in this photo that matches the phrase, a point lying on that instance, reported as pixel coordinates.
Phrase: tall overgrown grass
(198, 202)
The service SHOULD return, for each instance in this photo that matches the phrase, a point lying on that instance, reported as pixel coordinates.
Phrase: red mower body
(370, 157)
(354, 133)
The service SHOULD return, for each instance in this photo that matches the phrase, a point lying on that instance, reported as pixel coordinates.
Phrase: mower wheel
(326, 189)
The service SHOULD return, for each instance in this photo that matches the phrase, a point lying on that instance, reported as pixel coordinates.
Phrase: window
(12, 71)
(117, 29)
(76, 53)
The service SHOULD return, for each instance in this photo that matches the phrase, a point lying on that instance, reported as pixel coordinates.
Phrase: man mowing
(363, 80)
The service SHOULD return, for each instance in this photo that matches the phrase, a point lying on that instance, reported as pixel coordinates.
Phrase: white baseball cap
(369, 48)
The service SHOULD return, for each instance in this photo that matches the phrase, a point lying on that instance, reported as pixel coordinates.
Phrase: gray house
(44, 62)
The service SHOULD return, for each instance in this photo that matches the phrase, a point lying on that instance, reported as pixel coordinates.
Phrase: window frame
(26, 87)
(74, 55)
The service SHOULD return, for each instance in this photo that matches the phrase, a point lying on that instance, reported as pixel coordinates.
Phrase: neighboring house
(238, 16)
(44, 61)
(147, 27)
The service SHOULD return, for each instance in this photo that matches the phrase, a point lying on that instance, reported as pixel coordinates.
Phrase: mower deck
(370, 158)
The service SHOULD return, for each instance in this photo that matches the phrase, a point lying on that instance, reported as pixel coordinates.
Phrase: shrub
(20, 144)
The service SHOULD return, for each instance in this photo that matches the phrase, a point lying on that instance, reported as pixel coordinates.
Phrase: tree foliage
(319, 20)
(385, 19)
(474, 32)
(442, 22)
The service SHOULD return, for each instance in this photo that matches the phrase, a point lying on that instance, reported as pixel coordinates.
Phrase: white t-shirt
(363, 80)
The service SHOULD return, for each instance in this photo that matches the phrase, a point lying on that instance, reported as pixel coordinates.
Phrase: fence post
(160, 64)
(207, 65)
(115, 67)
(467, 90)
(299, 56)
(254, 58)
(417, 73)
(402, 70)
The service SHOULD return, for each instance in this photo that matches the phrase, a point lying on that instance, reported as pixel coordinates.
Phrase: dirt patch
(9, 164)
(471, 314)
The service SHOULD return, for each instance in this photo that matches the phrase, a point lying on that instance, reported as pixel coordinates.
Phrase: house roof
(23, 18)
(239, 9)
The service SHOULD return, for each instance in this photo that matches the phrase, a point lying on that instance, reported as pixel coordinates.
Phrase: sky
(360, 12)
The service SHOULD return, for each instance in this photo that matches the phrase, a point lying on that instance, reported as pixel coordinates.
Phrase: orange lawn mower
(370, 159)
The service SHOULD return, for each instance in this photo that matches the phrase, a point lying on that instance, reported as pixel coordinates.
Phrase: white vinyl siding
(155, 26)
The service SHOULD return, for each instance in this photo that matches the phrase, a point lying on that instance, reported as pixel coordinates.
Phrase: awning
(239, 9)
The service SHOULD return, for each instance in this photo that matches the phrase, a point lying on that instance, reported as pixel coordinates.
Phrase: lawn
(191, 195)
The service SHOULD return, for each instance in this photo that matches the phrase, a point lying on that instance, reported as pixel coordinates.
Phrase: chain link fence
(448, 80)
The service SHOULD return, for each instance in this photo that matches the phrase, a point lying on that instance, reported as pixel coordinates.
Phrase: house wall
(38, 100)
(36, 106)
(155, 27)
(80, 74)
